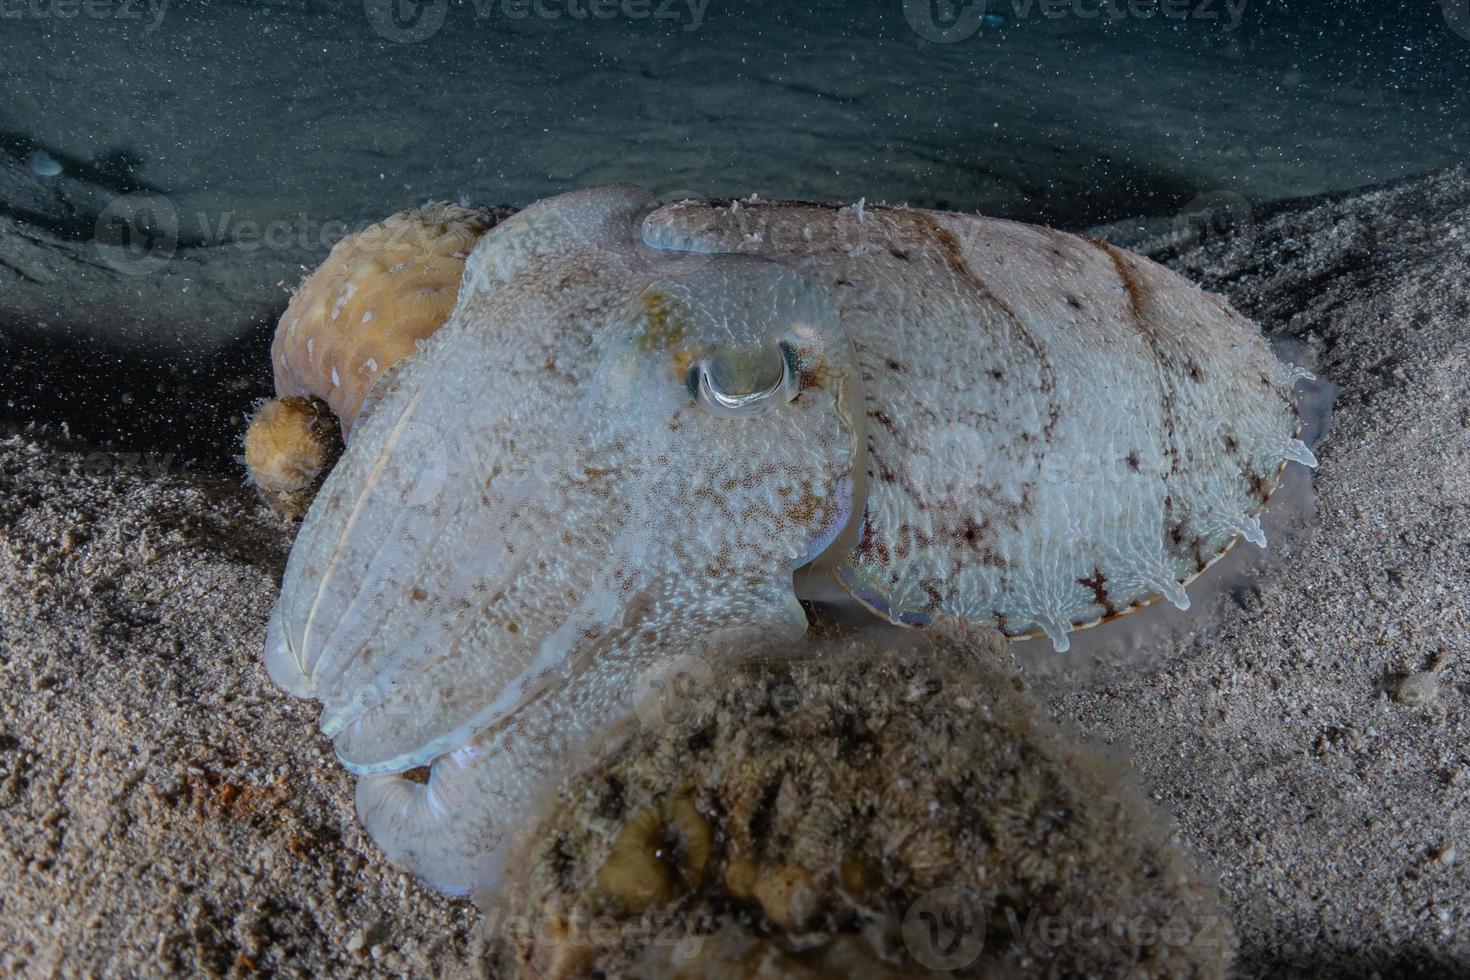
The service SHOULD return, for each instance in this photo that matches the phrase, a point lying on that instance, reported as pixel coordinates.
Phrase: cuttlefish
(650, 431)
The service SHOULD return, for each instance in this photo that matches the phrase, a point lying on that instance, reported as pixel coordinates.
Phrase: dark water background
(268, 128)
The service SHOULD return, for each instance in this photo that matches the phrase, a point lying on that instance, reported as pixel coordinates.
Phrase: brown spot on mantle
(1098, 583)
(1137, 293)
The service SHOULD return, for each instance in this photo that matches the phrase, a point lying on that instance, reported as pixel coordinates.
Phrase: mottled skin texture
(629, 438)
(1058, 431)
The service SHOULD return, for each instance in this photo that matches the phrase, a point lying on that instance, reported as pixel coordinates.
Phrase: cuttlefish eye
(735, 384)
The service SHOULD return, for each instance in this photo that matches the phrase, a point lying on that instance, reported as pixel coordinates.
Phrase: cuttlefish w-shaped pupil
(736, 383)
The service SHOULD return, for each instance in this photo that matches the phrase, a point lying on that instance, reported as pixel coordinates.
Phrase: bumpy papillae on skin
(1009, 425)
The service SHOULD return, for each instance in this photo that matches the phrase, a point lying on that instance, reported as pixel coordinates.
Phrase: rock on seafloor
(881, 803)
(164, 810)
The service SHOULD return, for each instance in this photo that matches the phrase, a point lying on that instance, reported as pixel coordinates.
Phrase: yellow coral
(290, 444)
(741, 875)
(841, 814)
(788, 896)
(660, 854)
(378, 295)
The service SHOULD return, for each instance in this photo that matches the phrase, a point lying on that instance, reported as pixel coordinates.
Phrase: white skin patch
(343, 299)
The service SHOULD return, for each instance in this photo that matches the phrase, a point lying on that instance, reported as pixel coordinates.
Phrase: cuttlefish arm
(415, 542)
(460, 828)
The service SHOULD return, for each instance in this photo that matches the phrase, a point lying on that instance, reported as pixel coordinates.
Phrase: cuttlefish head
(740, 389)
(610, 454)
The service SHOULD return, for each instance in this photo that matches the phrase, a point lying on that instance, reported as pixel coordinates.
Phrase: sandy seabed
(163, 809)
